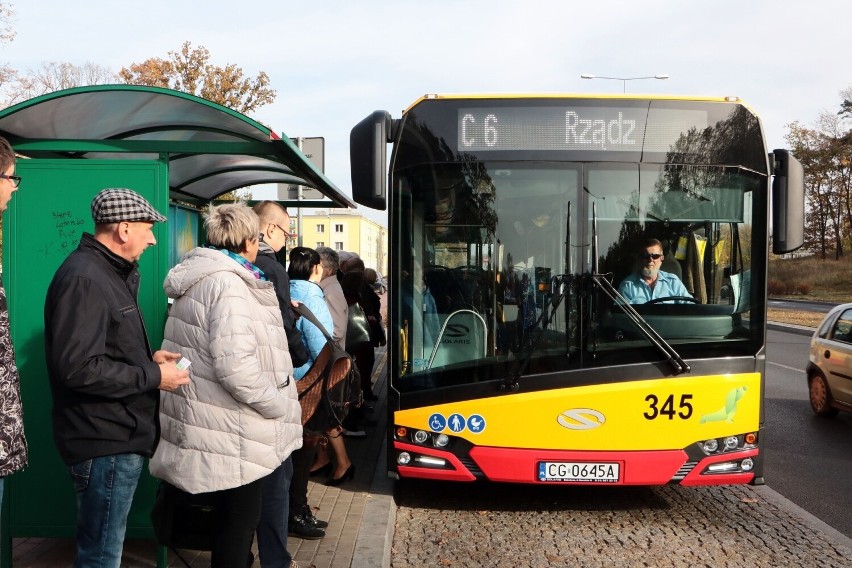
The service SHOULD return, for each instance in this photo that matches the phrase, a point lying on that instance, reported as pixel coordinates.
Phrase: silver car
(829, 368)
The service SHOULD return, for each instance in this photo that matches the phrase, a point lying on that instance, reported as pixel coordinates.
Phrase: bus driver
(649, 282)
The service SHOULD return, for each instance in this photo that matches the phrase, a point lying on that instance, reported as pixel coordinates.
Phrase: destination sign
(608, 129)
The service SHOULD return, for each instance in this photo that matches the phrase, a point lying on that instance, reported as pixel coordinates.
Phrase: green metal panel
(46, 218)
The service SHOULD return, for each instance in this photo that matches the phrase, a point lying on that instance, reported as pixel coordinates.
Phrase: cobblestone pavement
(506, 526)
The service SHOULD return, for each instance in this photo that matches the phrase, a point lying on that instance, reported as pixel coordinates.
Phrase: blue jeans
(272, 530)
(105, 487)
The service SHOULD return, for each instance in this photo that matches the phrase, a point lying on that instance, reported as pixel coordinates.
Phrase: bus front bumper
(513, 465)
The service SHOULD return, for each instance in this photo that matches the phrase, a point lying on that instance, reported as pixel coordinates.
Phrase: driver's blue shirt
(635, 291)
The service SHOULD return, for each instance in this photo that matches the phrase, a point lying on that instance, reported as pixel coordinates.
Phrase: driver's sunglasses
(651, 255)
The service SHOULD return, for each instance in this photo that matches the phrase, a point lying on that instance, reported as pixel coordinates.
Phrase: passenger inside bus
(649, 283)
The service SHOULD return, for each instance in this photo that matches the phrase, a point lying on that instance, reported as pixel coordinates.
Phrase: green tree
(189, 70)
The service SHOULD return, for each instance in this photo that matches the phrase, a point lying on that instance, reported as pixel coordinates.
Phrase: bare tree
(7, 34)
(55, 76)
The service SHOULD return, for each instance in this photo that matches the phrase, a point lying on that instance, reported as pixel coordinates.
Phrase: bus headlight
(404, 458)
(441, 440)
(711, 445)
(747, 464)
(731, 443)
(420, 436)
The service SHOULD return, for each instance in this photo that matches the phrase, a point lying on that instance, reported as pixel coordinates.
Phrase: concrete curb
(790, 328)
(375, 534)
(833, 535)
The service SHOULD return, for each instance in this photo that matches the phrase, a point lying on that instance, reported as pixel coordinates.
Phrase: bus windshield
(499, 251)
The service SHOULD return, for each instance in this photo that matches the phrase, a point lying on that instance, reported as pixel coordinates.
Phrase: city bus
(513, 355)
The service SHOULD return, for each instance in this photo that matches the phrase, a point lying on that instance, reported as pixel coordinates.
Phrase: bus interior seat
(452, 288)
(463, 337)
(440, 282)
(671, 264)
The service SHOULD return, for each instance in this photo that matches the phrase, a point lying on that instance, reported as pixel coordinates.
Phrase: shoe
(324, 470)
(300, 527)
(309, 516)
(348, 474)
(354, 434)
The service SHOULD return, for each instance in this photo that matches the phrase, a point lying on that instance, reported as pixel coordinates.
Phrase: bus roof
(586, 96)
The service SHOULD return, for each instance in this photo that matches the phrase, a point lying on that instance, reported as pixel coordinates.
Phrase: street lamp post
(623, 79)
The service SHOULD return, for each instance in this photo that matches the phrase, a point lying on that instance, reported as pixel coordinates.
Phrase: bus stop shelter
(177, 150)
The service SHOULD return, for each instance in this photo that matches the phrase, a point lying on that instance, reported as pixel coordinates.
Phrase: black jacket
(276, 274)
(103, 380)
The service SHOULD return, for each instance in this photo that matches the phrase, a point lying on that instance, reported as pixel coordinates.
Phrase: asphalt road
(808, 458)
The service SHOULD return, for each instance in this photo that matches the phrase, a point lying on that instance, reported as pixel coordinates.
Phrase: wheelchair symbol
(437, 422)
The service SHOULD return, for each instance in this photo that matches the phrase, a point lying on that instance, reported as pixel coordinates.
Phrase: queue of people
(215, 409)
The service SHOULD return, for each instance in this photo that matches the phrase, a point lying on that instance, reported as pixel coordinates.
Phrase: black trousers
(365, 358)
(303, 459)
(237, 513)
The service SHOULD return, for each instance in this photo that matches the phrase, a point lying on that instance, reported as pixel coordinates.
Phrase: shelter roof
(211, 149)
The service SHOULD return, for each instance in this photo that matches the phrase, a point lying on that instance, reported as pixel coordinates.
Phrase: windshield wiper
(672, 356)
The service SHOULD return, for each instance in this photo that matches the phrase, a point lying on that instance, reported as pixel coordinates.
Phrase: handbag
(357, 326)
(332, 383)
(181, 519)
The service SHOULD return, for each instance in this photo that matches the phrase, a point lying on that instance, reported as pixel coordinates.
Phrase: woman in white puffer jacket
(239, 417)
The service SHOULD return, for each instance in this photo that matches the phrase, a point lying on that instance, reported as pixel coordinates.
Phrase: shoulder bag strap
(305, 312)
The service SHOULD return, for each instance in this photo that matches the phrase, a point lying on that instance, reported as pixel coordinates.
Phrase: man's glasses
(287, 233)
(16, 180)
(650, 255)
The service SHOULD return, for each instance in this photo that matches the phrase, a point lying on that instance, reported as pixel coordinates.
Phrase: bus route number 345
(666, 408)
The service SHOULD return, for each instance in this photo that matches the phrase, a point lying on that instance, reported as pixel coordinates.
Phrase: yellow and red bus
(513, 220)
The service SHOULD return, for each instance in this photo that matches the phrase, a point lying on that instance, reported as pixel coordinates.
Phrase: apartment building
(344, 229)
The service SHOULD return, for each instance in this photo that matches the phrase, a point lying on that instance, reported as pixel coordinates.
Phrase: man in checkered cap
(104, 378)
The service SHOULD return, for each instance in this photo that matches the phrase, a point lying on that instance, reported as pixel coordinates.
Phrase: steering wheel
(670, 298)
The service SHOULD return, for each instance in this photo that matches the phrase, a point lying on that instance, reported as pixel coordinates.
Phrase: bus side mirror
(788, 203)
(368, 144)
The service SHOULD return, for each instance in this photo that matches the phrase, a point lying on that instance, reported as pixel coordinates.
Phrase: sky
(333, 62)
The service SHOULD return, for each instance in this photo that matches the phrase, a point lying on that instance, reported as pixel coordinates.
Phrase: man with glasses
(13, 444)
(275, 509)
(649, 282)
